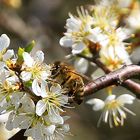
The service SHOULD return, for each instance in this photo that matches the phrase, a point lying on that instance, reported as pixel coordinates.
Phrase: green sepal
(30, 46)
(20, 55)
(28, 84)
(8, 98)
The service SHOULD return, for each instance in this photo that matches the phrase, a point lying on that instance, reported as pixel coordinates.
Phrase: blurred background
(44, 21)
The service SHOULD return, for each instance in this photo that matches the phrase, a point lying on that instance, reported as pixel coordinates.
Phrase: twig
(128, 84)
(117, 77)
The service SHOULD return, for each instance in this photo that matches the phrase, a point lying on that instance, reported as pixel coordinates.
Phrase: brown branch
(128, 84)
(133, 87)
(118, 77)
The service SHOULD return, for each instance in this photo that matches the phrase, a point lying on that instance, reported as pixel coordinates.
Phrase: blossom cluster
(34, 102)
(98, 32)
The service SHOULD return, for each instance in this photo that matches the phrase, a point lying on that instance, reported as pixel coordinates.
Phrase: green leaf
(30, 46)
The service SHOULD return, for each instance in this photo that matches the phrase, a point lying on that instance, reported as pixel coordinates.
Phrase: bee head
(55, 67)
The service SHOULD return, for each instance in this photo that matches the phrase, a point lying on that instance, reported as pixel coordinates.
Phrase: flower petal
(40, 107)
(28, 104)
(4, 42)
(26, 76)
(8, 55)
(81, 65)
(66, 127)
(49, 130)
(9, 124)
(39, 56)
(125, 99)
(45, 74)
(78, 48)
(44, 89)
(110, 98)
(56, 89)
(97, 104)
(66, 42)
(28, 59)
(55, 118)
(36, 88)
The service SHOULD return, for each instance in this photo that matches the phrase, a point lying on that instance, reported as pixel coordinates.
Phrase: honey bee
(68, 78)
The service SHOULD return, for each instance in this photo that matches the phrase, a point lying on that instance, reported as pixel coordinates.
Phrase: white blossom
(52, 98)
(114, 57)
(115, 38)
(34, 68)
(113, 52)
(50, 132)
(113, 109)
(105, 16)
(79, 32)
(25, 116)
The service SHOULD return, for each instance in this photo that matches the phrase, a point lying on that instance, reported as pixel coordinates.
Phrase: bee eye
(57, 66)
(55, 69)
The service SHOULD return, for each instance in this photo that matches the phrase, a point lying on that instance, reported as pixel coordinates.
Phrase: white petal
(28, 104)
(28, 59)
(49, 130)
(40, 107)
(12, 79)
(56, 89)
(28, 132)
(94, 35)
(45, 74)
(36, 88)
(110, 98)
(4, 117)
(26, 122)
(55, 118)
(66, 42)
(126, 99)
(4, 42)
(63, 99)
(78, 48)
(39, 56)
(123, 55)
(26, 76)
(73, 24)
(111, 52)
(8, 55)
(9, 124)
(44, 89)
(66, 127)
(97, 104)
(37, 132)
(17, 121)
(81, 65)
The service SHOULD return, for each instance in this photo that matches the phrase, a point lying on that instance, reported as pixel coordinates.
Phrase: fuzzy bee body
(67, 77)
